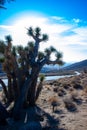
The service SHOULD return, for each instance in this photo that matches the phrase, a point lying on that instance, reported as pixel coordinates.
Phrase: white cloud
(63, 34)
(77, 20)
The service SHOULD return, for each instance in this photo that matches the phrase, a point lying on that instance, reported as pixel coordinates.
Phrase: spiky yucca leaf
(47, 51)
(2, 2)
(37, 31)
(59, 55)
(26, 48)
(40, 55)
(52, 49)
(2, 59)
(19, 48)
(41, 77)
(31, 46)
(30, 31)
(60, 62)
(45, 37)
(8, 38)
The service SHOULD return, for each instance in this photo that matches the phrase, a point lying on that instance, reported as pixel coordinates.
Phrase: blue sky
(65, 21)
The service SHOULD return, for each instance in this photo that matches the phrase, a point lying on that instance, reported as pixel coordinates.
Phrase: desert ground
(62, 105)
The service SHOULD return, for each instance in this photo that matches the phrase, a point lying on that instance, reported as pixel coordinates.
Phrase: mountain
(53, 68)
(78, 66)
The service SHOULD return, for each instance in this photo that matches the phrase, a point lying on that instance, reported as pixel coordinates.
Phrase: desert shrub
(71, 89)
(76, 98)
(84, 91)
(70, 105)
(61, 92)
(2, 60)
(48, 87)
(54, 102)
(77, 86)
(66, 86)
(55, 89)
(76, 80)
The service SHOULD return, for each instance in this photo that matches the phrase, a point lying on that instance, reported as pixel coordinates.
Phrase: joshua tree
(23, 70)
(2, 46)
(2, 49)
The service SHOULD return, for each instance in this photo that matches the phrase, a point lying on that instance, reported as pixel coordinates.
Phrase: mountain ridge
(78, 66)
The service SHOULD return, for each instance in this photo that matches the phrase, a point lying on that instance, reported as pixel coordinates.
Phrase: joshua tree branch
(36, 49)
(2, 7)
(46, 60)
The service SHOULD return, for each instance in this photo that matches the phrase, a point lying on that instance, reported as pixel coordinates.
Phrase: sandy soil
(76, 120)
(55, 93)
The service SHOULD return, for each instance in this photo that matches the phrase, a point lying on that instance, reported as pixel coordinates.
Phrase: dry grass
(61, 92)
(53, 102)
(69, 105)
(48, 87)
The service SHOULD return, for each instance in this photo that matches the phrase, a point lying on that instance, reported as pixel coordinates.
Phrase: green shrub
(2, 60)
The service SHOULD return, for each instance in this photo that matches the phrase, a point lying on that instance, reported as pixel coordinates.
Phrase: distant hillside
(53, 68)
(78, 66)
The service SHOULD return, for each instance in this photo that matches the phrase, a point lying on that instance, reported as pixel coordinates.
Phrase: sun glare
(56, 30)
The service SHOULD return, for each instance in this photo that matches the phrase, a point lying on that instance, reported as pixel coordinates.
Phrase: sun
(20, 24)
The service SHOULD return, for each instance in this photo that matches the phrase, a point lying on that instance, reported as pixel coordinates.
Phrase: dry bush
(74, 94)
(66, 85)
(78, 86)
(70, 105)
(54, 102)
(48, 87)
(84, 92)
(76, 80)
(71, 89)
(76, 98)
(84, 82)
(61, 92)
(55, 89)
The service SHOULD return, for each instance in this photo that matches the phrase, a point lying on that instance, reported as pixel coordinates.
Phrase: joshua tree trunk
(10, 93)
(19, 103)
(15, 89)
(3, 114)
(29, 87)
(32, 93)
